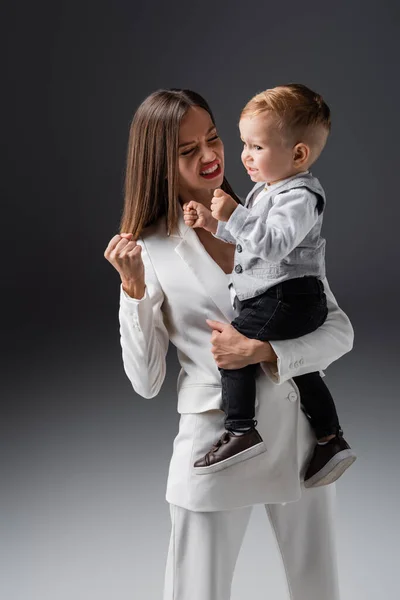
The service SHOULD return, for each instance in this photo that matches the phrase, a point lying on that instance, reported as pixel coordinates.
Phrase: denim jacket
(279, 237)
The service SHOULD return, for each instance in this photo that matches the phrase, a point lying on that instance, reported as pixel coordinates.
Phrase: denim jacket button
(239, 248)
(238, 268)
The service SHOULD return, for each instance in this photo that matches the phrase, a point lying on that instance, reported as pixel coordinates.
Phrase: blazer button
(239, 248)
(292, 396)
(238, 268)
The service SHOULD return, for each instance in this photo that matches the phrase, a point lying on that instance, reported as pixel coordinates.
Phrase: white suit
(184, 286)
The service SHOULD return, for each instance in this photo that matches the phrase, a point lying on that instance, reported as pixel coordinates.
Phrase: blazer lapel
(212, 278)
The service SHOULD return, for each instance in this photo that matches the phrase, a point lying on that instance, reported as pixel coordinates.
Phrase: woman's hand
(197, 215)
(232, 350)
(125, 256)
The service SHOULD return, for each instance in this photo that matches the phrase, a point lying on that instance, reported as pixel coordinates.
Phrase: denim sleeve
(272, 238)
(223, 234)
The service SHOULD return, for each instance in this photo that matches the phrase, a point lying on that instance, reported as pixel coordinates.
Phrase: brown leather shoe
(229, 450)
(329, 462)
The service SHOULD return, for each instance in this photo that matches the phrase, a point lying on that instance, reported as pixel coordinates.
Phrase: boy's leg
(318, 404)
(300, 308)
(241, 440)
(266, 317)
(202, 554)
(332, 455)
(239, 397)
(238, 385)
(305, 533)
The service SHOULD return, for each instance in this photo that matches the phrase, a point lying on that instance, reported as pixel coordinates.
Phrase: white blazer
(184, 287)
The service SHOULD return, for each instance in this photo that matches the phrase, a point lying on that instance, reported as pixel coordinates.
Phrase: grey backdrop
(84, 460)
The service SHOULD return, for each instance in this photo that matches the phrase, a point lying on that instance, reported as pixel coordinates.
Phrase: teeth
(210, 170)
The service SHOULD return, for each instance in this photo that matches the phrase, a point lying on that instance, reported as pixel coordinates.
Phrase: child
(279, 265)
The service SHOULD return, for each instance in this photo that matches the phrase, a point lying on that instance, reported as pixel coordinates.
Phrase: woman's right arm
(317, 350)
(287, 358)
(144, 337)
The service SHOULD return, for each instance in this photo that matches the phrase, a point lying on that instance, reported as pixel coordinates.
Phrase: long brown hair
(151, 180)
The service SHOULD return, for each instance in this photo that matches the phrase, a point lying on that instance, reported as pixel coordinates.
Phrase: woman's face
(201, 153)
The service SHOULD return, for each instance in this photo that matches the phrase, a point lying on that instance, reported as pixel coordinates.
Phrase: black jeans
(286, 311)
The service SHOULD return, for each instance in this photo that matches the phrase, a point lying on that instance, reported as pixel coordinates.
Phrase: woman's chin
(212, 184)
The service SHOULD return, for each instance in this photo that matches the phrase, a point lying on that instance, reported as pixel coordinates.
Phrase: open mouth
(213, 170)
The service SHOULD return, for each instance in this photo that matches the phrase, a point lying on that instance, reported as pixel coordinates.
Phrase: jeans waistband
(299, 285)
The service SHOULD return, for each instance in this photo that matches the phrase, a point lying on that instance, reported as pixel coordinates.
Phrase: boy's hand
(222, 205)
(197, 215)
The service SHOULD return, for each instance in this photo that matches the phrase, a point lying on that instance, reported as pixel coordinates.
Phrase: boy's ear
(301, 152)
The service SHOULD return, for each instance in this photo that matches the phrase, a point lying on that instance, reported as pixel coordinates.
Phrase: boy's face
(266, 155)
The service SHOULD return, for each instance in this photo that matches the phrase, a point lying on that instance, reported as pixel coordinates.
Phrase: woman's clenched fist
(125, 256)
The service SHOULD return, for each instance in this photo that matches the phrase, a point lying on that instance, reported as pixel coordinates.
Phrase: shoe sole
(232, 460)
(332, 470)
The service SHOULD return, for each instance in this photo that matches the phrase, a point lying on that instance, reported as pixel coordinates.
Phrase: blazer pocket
(198, 398)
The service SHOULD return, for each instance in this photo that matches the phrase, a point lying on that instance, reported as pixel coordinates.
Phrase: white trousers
(204, 547)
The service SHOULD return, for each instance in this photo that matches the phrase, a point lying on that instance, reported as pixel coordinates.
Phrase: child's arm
(290, 219)
(222, 206)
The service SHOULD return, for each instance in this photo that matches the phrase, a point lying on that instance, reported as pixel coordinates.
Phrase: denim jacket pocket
(267, 271)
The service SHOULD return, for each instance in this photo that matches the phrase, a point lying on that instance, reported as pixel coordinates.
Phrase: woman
(175, 288)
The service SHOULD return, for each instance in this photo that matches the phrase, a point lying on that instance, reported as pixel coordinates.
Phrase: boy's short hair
(296, 107)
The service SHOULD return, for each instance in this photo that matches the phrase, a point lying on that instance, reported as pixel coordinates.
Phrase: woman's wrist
(261, 352)
(134, 289)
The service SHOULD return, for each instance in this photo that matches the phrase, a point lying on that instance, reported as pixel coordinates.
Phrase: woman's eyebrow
(189, 143)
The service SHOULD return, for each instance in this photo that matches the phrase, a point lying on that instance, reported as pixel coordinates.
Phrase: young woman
(174, 287)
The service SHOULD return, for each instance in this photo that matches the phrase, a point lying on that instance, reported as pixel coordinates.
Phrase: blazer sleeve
(317, 350)
(143, 335)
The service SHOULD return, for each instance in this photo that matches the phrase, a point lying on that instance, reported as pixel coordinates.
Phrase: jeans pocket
(244, 315)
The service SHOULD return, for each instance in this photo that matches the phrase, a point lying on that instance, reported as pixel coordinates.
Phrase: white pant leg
(305, 533)
(202, 554)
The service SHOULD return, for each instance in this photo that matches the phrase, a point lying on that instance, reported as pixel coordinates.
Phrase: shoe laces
(224, 439)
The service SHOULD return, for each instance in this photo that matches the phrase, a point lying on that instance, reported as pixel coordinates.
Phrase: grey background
(84, 460)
